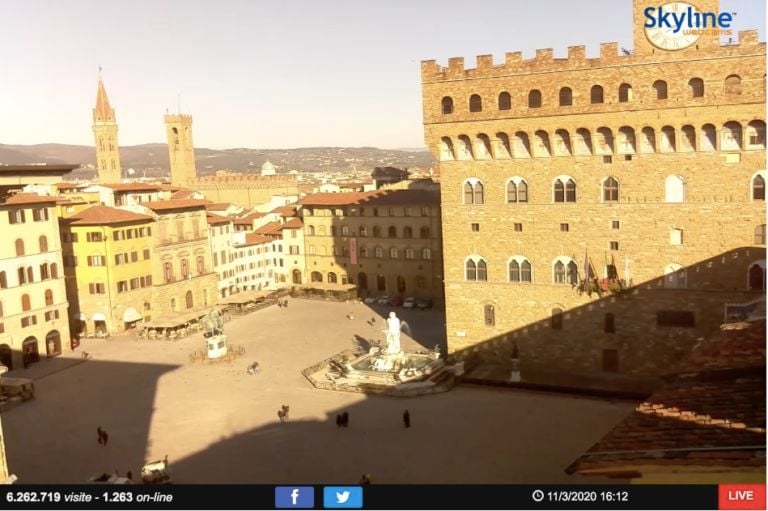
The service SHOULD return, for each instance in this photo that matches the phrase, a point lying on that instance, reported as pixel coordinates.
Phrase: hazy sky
(271, 74)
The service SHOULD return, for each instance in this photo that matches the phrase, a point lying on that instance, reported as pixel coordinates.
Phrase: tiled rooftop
(29, 198)
(710, 412)
(375, 198)
(100, 215)
(161, 205)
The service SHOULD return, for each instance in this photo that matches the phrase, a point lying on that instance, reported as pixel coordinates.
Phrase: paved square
(218, 424)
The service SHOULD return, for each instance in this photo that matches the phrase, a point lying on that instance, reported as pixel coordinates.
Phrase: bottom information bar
(371, 497)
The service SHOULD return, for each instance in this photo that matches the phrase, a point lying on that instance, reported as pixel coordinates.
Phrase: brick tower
(105, 132)
(181, 150)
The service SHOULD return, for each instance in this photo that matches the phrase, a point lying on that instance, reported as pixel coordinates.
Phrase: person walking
(100, 433)
(407, 419)
(345, 419)
(105, 437)
(338, 420)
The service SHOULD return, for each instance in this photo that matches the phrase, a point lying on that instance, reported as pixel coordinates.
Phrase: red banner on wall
(353, 250)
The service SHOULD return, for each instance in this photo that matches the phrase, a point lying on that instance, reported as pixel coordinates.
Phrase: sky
(278, 74)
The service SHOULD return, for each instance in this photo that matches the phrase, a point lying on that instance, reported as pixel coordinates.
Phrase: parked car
(409, 303)
(396, 301)
(423, 303)
(384, 300)
(370, 300)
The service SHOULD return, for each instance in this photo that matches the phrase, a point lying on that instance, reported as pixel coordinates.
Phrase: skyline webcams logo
(690, 20)
(677, 25)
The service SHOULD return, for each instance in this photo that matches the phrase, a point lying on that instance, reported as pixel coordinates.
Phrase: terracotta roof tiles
(374, 198)
(710, 412)
(162, 205)
(29, 198)
(99, 215)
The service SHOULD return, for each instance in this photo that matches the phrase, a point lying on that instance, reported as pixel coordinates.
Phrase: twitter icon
(343, 497)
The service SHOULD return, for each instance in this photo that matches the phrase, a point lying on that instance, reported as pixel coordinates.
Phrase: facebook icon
(294, 497)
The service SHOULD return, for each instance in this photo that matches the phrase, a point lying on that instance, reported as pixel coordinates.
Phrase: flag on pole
(587, 273)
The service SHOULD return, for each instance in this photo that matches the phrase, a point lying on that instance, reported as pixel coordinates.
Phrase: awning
(98, 316)
(131, 315)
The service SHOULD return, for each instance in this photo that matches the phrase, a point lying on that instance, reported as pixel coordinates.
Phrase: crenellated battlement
(178, 118)
(610, 55)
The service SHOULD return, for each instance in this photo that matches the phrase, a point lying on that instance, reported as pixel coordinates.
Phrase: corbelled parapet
(610, 54)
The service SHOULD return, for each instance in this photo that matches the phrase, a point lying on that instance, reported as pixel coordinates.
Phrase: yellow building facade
(109, 270)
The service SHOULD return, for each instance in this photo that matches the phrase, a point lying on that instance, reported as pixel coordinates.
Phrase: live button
(741, 496)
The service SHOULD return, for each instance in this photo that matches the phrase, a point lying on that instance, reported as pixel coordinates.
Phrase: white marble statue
(393, 334)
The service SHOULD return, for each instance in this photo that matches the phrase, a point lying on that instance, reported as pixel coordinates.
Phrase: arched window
(505, 101)
(446, 149)
(490, 315)
(625, 93)
(733, 84)
(409, 253)
(424, 232)
(759, 239)
(447, 105)
(44, 271)
(647, 140)
(26, 304)
(392, 231)
(407, 232)
(475, 103)
(189, 300)
(564, 189)
(22, 274)
(697, 87)
(332, 279)
(321, 230)
(596, 94)
(565, 271)
(674, 276)
(668, 143)
(465, 148)
(562, 143)
(609, 323)
(660, 87)
(3, 280)
(43, 241)
(534, 99)
(48, 297)
(19, 247)
(316, 276)
(30, 275)
(688, 140)
(758, 187)
(517, 191)
(566, 96)
(476, 269)
(426, 254)
(311, 229)
(626, 140)
(556, 319)
(756, 276)
(473, 191)
(674, 189)
(377, 231)
(731, 136)
(519, 269)
(610, 190)
(708, 140)
(756, 135)
(393, 253)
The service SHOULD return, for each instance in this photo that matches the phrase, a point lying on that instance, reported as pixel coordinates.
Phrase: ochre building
(384, 242)
(598, 213)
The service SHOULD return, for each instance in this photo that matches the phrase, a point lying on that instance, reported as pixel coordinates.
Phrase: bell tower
(105, 133)
(181, 151)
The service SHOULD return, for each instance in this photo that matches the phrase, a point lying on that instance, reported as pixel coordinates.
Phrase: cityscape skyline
(301, 90)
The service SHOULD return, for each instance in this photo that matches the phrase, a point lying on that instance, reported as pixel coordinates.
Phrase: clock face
(664, 37)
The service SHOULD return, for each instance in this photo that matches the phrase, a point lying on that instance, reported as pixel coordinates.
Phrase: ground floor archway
(6, 356)
(53, 343)
(381, 282)
(362, 281)
(317, 276)
(296, 276)
(30, 351)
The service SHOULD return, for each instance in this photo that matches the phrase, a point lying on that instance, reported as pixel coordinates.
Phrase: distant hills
(152, 159)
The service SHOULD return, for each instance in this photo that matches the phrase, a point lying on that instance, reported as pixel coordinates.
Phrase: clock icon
(664, 37)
